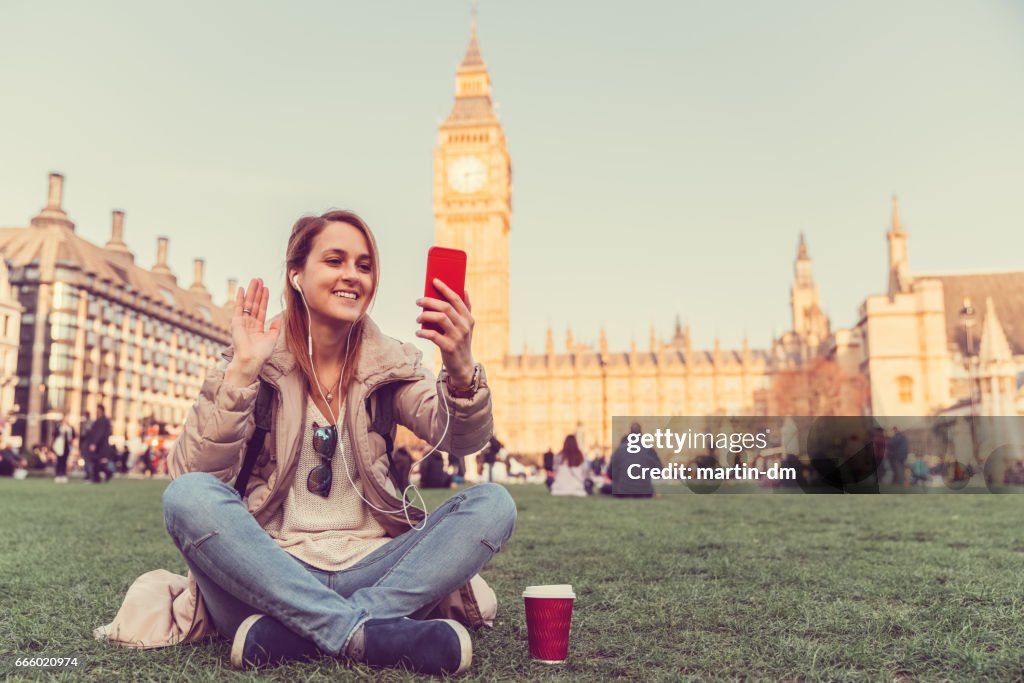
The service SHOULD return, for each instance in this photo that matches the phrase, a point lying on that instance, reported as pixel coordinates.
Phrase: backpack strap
(263, 415)
(380, 405)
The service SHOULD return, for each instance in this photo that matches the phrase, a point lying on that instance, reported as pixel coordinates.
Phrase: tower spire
(899, 266)
(809, 322)
(472, 82)
(897, 224)
(472, 60)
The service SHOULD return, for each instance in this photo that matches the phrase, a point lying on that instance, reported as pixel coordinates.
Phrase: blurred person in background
(96, 445)
(62, 444)
(570, 470)
(620, 484)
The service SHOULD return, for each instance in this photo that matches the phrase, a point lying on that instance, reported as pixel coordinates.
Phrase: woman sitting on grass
(318, 558)
(571, 473)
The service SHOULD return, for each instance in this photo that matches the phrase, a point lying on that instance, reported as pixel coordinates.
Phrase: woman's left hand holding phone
(252, 343)
(455, 318)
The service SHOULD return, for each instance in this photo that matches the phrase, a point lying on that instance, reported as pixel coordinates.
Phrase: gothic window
(906, 388)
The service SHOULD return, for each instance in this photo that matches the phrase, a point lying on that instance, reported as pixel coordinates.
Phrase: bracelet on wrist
(464, 391)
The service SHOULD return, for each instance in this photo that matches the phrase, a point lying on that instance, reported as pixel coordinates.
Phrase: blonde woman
(321, 555)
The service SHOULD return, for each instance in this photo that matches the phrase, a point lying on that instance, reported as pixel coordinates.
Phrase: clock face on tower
(467, 174)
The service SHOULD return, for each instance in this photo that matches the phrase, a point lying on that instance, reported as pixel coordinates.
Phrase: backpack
(379, 405)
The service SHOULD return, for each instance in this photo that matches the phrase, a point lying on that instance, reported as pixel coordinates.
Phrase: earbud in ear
(295, 282)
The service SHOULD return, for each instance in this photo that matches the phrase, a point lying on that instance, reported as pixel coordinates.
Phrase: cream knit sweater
(329, 533)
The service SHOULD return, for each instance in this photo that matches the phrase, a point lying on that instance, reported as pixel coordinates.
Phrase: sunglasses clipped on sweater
(325, 443)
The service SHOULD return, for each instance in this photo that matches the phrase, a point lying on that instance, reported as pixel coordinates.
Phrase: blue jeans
(241, 570)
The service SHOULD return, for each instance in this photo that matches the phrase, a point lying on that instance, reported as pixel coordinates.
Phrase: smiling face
(337, 279)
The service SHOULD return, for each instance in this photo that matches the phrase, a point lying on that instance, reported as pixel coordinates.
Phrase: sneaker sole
(238, 644)
(465, 646)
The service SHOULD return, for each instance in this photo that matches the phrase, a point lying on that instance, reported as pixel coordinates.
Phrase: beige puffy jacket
(219, 426)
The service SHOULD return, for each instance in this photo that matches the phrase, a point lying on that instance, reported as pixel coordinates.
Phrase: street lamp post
(967, 317)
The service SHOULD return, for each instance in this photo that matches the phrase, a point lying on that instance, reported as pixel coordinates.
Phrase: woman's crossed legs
(241, 570)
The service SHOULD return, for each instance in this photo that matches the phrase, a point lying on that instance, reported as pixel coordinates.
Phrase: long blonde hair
(296, 323)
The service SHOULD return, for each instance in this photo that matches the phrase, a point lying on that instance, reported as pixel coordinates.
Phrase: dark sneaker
(437, 647)
(264, 641)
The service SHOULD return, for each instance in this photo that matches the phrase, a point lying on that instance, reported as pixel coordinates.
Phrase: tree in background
(820, 387)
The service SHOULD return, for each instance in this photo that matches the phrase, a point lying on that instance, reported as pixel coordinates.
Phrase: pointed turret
(802, 276)
(899, 267)
(679, 335)
(896, 225)
(653, 339)
(473, 59)
(997, 373)
(570, 344)
(809, 321)
(603, 344)
(549, 347)
(994, 346)
(801, 248)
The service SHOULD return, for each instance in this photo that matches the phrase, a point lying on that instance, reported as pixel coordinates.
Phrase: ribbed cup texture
(548, 622)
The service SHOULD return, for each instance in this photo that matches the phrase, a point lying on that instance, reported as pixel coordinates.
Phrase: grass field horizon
(682, 587)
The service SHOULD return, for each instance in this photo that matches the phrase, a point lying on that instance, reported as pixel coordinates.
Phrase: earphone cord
(406, 501)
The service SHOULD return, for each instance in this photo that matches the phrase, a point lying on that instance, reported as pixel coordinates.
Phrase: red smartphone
(448, 266)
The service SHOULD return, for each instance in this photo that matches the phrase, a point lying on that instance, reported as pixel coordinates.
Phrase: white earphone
(406, 500)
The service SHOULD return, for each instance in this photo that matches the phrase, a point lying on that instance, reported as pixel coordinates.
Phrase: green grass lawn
(683, 587)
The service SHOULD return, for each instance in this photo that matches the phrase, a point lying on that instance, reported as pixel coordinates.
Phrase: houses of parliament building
(942, 343)
(83, 325)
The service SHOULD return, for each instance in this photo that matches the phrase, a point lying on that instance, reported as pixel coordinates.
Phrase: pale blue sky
(665, 154)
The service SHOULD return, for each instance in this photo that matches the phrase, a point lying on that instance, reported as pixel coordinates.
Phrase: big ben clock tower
(473, 202)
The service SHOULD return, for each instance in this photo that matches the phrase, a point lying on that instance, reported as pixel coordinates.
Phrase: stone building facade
(98, 329)
(10, 322)
(950, 343)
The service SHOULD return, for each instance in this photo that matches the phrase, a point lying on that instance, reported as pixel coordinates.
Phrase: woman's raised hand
(252, 343)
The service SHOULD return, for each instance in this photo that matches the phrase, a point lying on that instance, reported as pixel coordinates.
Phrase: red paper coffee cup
(548, 621)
